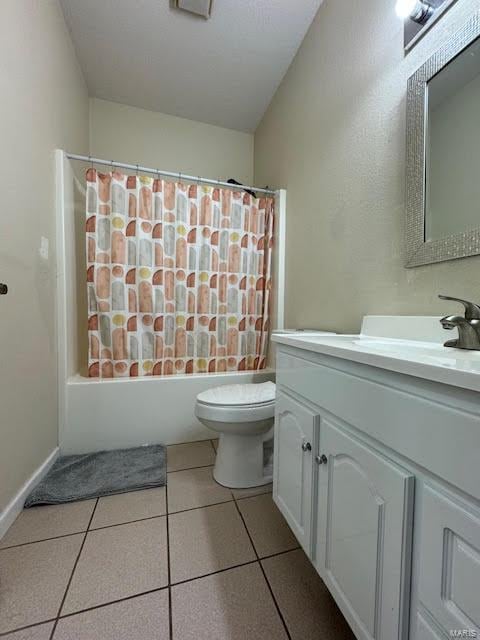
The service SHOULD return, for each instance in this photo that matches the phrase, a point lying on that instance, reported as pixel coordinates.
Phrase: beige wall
(44, 106)
(154, 139)
(334, 137)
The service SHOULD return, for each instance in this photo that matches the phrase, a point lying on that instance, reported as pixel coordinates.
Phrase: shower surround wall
(114, 413)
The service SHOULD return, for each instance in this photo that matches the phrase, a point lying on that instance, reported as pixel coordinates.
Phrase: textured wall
(173, 144)
(44, 106)
(334, 137)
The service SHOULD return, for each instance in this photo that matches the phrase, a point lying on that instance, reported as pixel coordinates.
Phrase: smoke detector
(198, 7)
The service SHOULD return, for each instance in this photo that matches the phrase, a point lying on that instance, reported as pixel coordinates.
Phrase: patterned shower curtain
(179, 277)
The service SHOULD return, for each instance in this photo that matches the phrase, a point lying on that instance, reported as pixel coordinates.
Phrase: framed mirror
(443, 152)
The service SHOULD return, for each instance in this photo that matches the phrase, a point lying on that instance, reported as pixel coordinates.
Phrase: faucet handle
(472, 310)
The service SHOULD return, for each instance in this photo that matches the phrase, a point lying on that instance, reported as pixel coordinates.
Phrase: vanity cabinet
(449, 571)
(356, 501)
(360, 475)
(295, 426)
(364, 503)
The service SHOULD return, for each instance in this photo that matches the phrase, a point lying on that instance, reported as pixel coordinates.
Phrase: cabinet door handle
(306, 446)
(321, 459)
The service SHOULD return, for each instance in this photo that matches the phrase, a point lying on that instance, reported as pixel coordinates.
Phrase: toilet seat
(239, 395)
(237, 403)
(245, 413)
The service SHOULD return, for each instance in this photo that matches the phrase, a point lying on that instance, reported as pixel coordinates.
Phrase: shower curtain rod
(170, 174)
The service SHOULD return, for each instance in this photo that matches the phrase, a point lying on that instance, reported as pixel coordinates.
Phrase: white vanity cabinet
(361, 476)
(295, 427)
(364, 512)
(357, 502)
(449, 575)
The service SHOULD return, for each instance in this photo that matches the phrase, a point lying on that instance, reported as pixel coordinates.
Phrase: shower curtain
(178, 276)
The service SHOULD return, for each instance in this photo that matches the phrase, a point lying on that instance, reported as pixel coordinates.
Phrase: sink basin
(424, 358)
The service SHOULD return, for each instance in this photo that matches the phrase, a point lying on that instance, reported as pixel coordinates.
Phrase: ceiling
(223, 71)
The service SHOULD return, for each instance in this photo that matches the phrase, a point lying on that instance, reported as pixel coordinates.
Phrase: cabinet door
(293, 466)
(424, 631)
(363, 546)
(449, 581)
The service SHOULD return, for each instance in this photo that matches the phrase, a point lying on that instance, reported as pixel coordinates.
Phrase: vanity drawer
(291, 371)
(449, 575)
(394, 409)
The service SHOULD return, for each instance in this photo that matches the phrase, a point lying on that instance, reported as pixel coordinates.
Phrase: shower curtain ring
(90, 159)
(137, 168)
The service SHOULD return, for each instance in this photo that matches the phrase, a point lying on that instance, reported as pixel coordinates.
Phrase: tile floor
(196, 561)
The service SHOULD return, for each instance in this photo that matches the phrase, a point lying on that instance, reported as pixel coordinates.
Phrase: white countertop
(425, 358)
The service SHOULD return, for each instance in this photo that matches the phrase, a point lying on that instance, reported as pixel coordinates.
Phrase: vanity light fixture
(198, 7)
(417, 10)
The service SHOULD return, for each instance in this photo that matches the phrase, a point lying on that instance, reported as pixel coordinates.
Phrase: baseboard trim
(14, 507)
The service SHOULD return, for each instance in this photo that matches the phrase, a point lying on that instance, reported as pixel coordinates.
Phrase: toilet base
(239, 461)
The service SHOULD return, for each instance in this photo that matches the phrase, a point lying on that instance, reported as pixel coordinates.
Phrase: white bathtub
(113, 414)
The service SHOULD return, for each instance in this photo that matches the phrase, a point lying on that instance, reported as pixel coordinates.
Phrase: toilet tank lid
(239, 394)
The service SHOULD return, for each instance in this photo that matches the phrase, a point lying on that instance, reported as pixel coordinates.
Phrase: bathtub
(112, 414)
(118, 413)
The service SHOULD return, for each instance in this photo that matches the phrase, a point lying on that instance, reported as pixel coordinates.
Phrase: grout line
(280, 553)
(144, 593)
(76, 533)
(255, 495)
(73, 571)
(107, 604)
(246, 529)
(169, 573)
(275, 601)
(120, 524)
(235, 566)
(214, 573)
(170, 584)
(202, 466)
(117, 524)
(264, 574)
(26, 628)
(205, 506)
(176, 444)
(25, 544)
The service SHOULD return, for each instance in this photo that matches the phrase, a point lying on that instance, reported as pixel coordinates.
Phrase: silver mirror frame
(461, 245)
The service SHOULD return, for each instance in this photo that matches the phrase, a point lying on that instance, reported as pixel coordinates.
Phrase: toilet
(242, 415)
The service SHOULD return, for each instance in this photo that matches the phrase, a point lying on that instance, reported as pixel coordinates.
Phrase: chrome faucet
(468, 326)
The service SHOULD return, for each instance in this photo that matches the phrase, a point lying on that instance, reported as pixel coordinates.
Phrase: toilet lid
(239, 394)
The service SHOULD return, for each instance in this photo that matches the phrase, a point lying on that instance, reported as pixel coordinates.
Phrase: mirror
(453, 147)
(443, 152)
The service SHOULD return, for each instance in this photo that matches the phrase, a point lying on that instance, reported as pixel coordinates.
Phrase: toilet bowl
(242, 415)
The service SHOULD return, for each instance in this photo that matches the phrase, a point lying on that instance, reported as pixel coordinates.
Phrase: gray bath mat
(103, 473)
